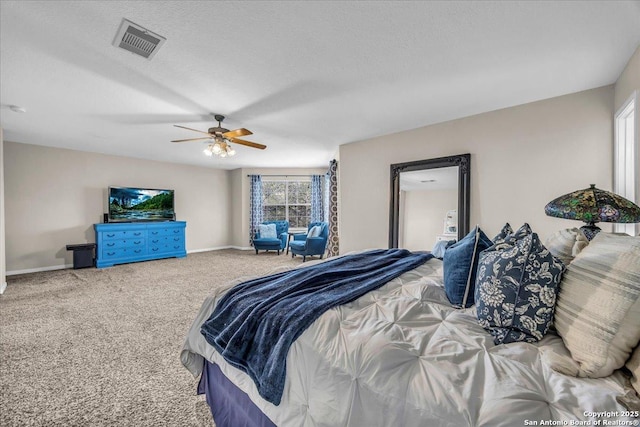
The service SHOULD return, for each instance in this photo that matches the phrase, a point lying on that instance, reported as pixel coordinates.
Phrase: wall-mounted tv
(127, 204)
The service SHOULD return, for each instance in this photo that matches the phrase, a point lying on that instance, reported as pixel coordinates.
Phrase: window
(287, 200)
(625, 168)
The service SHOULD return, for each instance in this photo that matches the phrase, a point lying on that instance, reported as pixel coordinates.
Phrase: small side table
(82, 255)
(291, 234)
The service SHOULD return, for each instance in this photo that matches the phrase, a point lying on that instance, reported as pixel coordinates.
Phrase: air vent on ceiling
(138, 40)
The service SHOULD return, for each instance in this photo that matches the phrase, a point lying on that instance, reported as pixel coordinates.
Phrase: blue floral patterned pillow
(506, 231)
(516, 288)
(460, 263)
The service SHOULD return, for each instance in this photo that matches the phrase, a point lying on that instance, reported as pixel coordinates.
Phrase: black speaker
(105, 218)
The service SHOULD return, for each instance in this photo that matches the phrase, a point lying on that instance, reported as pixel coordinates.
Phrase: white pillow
(315, 231)
(267, 231)
(598, 308)
(566, 244)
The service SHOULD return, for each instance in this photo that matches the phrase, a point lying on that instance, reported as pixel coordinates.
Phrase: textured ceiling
(305, 77)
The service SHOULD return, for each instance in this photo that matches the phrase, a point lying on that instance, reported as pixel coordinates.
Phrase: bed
(402, 355)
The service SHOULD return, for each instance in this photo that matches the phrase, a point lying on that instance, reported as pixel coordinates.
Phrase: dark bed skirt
(230, 406)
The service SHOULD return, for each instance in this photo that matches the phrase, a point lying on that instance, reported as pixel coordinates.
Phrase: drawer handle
(155, 240)
(137, 251)
(111, 244)
(110, 235)
(111, 253)
(137, 233)
(176, 239)
(154, 249)
(154, 232)
(137, 242)
(176, 231)
(176, 247)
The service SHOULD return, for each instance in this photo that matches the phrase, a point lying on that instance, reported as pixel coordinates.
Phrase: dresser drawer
(163, 249)
(123, 234)
(165, 231)
(123, 243)
(158, 240)
(166, 247)
(121, 253)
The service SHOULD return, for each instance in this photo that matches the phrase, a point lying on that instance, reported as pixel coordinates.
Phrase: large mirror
(429, 202)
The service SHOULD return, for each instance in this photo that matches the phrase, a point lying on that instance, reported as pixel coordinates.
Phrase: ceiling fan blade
(191, 139)
(248, 143)
(237, 132)
(195, 130)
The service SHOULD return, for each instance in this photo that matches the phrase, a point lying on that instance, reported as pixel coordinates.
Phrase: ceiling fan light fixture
(220, 139)
(216, 148)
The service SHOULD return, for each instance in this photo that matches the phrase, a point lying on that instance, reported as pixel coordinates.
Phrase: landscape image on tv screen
(140, 204)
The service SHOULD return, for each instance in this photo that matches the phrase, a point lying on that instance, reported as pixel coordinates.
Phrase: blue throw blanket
(256, 322)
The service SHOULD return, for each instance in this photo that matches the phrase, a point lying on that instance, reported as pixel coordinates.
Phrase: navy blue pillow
(460, 263)
(516, 288)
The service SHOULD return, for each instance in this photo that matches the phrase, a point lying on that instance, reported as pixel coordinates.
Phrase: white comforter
(402, 356)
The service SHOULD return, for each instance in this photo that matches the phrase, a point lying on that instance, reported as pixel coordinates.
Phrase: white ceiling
(305, 77)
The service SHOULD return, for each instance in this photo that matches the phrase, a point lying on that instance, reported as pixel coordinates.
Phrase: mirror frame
(462, 161)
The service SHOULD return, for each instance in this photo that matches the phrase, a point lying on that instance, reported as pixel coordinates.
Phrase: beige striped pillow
(566, 244)
(598, 308)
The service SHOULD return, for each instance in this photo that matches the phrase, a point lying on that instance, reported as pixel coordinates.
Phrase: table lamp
(593, 205)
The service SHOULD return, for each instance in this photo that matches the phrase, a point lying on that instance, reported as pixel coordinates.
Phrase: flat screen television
(128, 204)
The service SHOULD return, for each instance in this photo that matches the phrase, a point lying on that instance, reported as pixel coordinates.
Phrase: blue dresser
(119, 243)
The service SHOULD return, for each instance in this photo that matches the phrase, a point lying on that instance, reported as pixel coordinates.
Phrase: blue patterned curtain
(325, 216)
(333, 246)
(256, 214)
(316, 198)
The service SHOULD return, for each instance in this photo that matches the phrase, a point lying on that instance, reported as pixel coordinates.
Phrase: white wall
(3, 266)
(424, 212)
(521, 158)
(54, 196)
(628, 81)
(239, 208)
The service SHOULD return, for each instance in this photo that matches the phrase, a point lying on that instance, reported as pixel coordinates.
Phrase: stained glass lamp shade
(593, 205)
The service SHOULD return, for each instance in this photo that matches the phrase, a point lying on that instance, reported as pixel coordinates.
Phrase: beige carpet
(100, 347)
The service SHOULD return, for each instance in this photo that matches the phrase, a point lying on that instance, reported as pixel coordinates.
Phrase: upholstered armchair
(312, 243)
(268, 240)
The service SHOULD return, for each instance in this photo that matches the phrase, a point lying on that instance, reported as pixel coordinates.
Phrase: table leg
(288, 241)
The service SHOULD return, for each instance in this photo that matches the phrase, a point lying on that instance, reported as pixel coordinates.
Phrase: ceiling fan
(222, 138)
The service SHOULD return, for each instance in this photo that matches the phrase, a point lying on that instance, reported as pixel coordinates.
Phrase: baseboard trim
(3, 287)
(39, 269)
(64, 266)
(219, 248)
